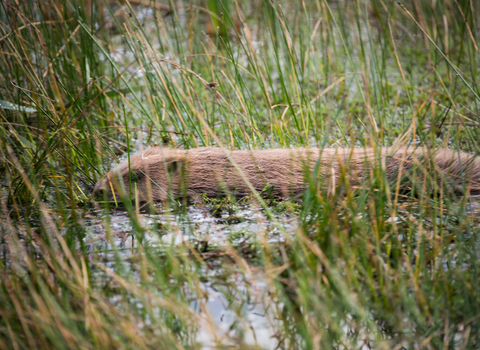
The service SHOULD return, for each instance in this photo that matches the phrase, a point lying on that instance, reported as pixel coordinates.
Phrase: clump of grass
(379, 267)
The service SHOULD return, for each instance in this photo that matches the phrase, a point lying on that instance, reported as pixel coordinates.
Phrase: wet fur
(161, 172)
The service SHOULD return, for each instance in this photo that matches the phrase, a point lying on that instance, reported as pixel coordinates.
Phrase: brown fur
(208, 170)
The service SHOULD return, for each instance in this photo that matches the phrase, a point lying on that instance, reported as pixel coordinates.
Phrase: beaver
(160, 173)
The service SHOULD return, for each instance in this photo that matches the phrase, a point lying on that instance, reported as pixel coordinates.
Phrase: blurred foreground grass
(82, 83)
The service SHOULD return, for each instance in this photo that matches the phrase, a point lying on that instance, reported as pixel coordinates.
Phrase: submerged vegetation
(84, 83)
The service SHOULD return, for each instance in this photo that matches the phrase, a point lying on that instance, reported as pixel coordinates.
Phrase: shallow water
(195, 225)
(249, 306)
(249, 303)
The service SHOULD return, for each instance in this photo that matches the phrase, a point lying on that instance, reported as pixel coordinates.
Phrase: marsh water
(242, 225)
(232, 299)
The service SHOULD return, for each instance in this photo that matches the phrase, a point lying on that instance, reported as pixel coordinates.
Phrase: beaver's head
(151, 175)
